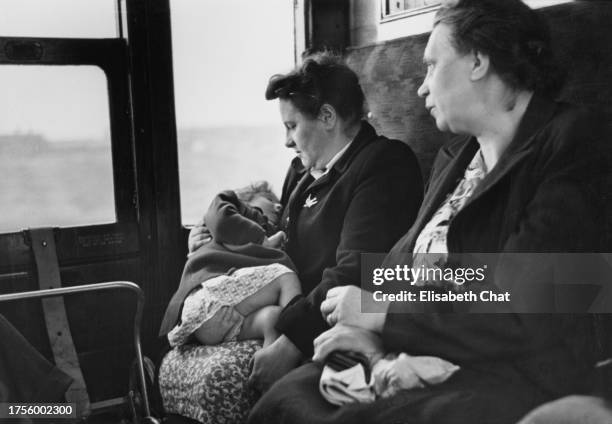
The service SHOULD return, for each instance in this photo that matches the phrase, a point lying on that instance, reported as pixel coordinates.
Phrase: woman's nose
(423, 90)
(277, 207)
(289, 142)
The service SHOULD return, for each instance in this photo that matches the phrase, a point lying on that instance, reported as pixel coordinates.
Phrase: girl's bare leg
(260, 324)
(213, 331)
(278, 292)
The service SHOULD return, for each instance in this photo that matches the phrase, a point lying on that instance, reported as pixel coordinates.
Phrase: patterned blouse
(430, 249)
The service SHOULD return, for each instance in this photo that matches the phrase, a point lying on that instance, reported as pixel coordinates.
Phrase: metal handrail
(63, 291)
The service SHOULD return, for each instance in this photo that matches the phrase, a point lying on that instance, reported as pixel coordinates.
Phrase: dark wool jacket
(237, 232)
(542, 196)
(366, 201)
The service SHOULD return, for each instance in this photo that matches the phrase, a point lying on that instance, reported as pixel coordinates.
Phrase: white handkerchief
(389, 376)
(403, 372)
(346, 386)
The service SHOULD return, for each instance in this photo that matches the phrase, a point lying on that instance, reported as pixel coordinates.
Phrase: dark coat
(366, 201)
(237, 232)
(541, 197)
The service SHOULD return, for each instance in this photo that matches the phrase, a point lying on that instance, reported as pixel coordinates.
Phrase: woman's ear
(480, 65)
(327, 115)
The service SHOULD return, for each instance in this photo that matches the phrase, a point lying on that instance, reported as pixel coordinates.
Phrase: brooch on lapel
(310, 201)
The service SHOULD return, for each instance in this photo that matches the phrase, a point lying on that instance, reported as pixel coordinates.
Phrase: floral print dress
(431, 249)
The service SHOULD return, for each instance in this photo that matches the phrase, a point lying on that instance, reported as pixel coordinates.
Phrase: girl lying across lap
(237, 278)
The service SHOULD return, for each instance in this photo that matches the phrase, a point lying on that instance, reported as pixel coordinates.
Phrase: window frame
(109, 55)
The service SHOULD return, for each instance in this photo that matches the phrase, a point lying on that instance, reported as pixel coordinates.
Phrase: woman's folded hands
(347, 338)
(357, 324)
(352, 306)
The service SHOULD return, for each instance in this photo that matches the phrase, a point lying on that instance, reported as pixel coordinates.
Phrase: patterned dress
(431, 249)
(225, 290)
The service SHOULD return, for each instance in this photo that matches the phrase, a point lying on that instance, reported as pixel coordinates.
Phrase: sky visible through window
(61, 19)
(225, 51)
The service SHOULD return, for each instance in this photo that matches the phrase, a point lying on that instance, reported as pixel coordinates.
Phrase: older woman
(523, 177)
(347, 191)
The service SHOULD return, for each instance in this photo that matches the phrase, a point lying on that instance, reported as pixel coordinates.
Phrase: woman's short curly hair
(322, 78)
(515, 37)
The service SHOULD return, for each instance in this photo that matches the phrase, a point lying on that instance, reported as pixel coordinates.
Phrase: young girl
(235, 285)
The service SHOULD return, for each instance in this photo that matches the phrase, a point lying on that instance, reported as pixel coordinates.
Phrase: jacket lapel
(457, 160)
(459, 155)
(365, 135)
(538, 113)
(296, 198)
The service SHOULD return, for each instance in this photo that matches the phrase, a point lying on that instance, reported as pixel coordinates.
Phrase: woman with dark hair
(523, 177)
(348, 191)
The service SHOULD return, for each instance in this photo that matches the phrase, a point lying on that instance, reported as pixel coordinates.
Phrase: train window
(55, 149)
(228, 134)
(59, 18)
(404, 18)
(401, 8)
(395, 9)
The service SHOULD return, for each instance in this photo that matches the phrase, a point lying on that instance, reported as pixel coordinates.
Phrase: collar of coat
(456, 155)
(365, 135)
(539, 111)
(461, 151)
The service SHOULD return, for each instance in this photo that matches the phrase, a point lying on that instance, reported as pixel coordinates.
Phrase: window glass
(228, 134)
(405, 7)
(392, 9)
(55, 150)
(58, 18)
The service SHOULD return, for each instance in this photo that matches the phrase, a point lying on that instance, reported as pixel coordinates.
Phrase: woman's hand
(198, 236)
(343, 306)
(343, 337)
(273, 362)
(275, 241)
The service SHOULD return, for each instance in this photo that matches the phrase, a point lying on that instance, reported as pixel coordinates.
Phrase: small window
(392, 9)
(55, 148)
(228, 134)
(59, 18)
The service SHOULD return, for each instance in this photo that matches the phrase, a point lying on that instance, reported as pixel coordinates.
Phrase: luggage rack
(88, 288)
